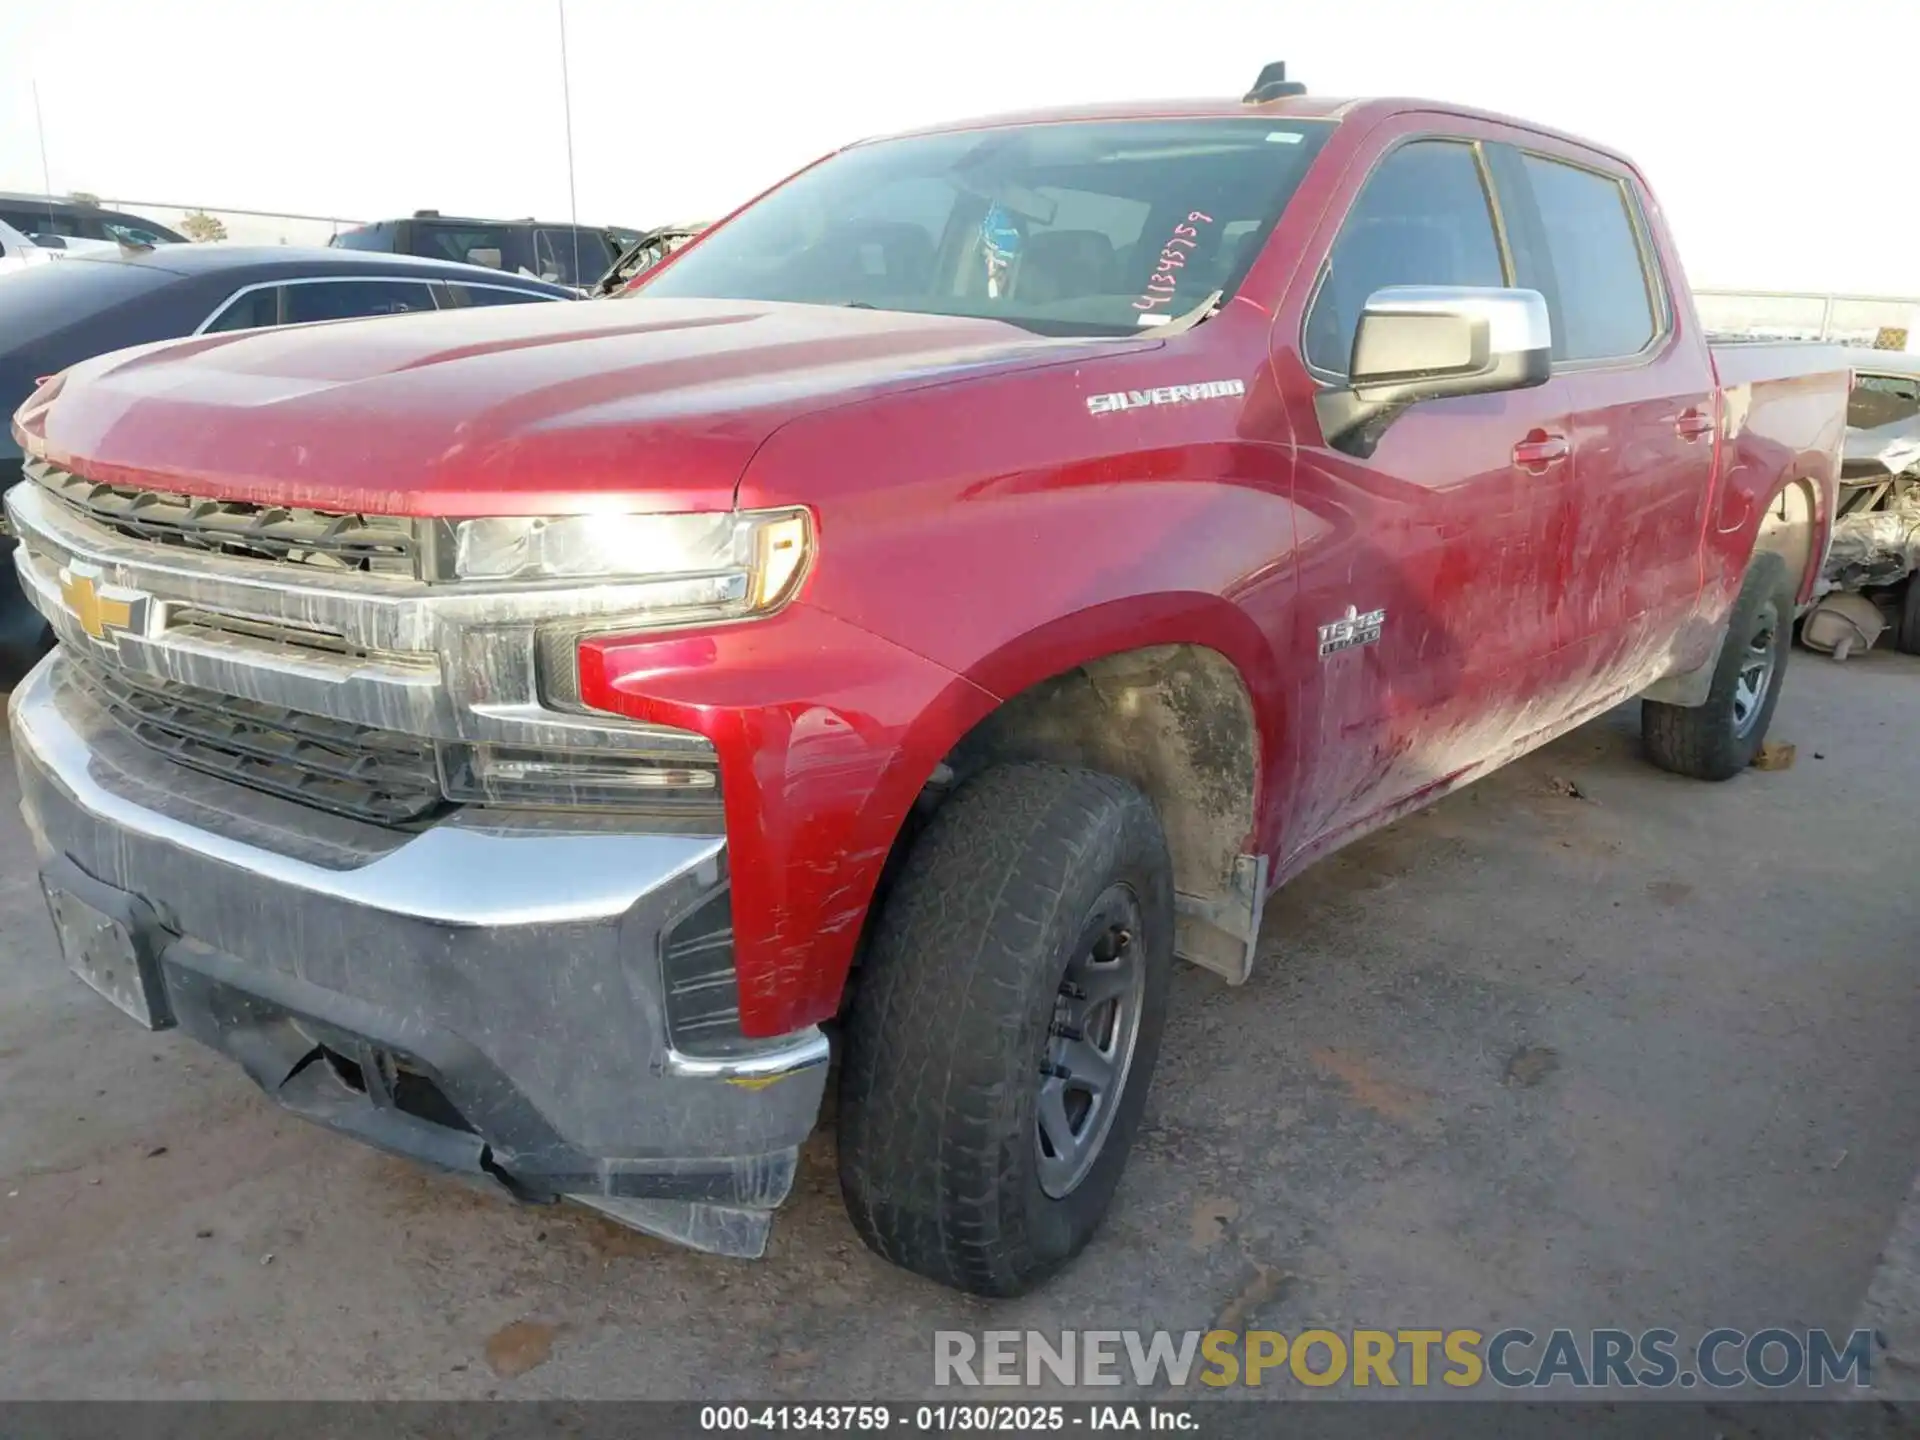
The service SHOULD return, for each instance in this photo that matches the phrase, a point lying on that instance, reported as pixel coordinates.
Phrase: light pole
(46, 173)
(566, 104)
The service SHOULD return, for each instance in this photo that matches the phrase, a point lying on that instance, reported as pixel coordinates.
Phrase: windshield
(1079, 228)
(134, 234)
(1883, 400)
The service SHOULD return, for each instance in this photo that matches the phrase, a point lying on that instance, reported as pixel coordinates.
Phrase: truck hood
(520, 409)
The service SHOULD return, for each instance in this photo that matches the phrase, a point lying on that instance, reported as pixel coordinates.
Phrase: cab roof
(1339, 110)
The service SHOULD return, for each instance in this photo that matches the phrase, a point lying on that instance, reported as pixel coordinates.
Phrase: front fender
(826, 734)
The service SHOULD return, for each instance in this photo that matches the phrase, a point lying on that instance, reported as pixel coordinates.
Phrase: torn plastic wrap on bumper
(1873, 547)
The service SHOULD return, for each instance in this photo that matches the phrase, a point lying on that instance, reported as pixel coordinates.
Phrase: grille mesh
(373, 544)
(353, 770)
(703, 992)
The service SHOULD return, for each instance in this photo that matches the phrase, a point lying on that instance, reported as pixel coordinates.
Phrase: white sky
(1781, 134)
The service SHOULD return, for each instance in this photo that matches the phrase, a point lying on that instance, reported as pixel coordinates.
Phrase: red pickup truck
(970, 576)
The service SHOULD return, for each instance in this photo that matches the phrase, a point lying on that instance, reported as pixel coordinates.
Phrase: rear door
(1642, 398)
(1428, 595)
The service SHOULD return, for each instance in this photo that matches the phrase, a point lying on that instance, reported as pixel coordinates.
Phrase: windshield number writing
(1173, 259)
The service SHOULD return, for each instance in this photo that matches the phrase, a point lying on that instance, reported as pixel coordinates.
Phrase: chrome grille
(353, 770)
(193, 622)
(336, 540)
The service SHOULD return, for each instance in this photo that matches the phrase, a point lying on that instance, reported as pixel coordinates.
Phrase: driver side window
(1422, 219)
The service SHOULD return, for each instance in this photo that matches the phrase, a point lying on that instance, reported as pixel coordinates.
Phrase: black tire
(1717, 740)
(956, 1012)
(1907, 635)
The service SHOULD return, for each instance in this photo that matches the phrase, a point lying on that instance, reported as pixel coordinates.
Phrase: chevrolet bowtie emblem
(100, 608)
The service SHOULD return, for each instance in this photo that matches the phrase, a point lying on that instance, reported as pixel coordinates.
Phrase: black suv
(575, 255)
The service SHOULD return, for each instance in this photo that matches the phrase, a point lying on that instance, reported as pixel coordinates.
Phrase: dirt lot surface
(1640, 1056)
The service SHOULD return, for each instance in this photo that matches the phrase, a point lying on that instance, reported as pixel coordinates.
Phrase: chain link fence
(242, 227)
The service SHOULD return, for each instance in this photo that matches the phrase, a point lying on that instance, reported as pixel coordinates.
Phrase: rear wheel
(1004, 1032)
(1908, 636)
(1719, 739)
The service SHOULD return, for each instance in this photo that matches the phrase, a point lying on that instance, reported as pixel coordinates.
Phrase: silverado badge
(100, 609)
(1164, 395)
(1351, 629)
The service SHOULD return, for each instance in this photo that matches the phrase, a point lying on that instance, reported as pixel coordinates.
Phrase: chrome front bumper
(511, 961)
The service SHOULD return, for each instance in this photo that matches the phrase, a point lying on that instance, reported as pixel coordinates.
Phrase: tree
(84, 197)
(199, 225)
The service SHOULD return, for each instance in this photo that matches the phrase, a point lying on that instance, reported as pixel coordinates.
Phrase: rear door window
(459, 297)
(1422, 219)
(1600, 274)
(251, 311)
(346, 299)
(487, 245)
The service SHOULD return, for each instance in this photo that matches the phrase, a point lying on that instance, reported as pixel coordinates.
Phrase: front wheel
(1004, 1030)
(1719, 739)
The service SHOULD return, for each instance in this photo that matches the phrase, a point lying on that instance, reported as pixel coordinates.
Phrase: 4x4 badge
(1351, 629)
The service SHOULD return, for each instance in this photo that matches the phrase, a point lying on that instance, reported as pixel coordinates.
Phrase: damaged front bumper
(490, 995)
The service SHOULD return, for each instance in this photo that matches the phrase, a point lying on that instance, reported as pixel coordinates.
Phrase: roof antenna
(1273, 85)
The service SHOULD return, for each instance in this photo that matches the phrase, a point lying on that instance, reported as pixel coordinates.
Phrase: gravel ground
(1640, 1058)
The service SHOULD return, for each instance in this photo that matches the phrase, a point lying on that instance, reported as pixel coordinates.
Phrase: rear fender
(1794, 526)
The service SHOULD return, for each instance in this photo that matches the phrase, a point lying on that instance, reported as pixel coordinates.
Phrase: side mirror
(1423, 342)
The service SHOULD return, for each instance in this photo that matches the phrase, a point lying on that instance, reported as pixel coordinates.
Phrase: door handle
(1539, 450)
(1691, 425)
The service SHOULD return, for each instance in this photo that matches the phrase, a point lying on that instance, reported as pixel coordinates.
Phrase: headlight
(738, 562)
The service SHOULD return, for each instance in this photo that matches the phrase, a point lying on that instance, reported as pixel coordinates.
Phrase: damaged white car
(1867, 591)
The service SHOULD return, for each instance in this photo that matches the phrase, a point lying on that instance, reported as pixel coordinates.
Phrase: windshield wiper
(1205, 310)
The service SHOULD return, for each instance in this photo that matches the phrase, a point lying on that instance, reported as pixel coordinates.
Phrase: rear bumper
(486, 995)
